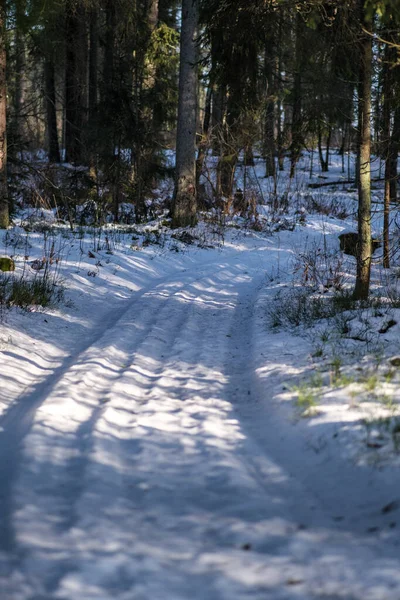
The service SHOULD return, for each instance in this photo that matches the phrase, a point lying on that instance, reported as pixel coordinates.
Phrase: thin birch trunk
(361, 290)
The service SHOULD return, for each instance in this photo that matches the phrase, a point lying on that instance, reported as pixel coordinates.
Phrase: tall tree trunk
(280, 141)
(108, 79)
(390, 195)
(19, 74)
(387, 90)
(75, 82)
(203, 145)
(218, 98)
(109, 93)
(328, 146)
(269, 132)
(320, 152)
(324, 161)
(217, 117)
(93, 61)
(51, 114)
(93, 91)
(361, 289)
(394, 149)
(297, 137)
(229, 152)
(4, 207)
(143, 147)
(184, 202)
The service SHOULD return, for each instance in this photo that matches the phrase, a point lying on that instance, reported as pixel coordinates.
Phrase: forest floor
(194, 420)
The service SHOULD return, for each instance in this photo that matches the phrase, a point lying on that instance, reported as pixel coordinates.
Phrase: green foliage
(338, 379)
(306, 400)
(371, 382)
(6, 264)
(42, 291)
(162, 62)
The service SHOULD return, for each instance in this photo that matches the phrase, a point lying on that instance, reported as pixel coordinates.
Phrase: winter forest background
(95, 85)
(199, 300)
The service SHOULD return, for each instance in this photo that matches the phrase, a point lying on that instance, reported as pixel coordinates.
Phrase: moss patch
(6, 264)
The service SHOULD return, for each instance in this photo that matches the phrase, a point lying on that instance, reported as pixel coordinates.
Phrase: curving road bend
(152, 465)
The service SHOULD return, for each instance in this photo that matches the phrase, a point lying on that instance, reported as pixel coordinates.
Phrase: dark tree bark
(390, 194)
(218, 99)
(75, 82)
(108, 78)
(51, 114)
(167, 12)
(141, 152)
(269, 132)
(217, 116)
(324, 160)
(387, 90)
(19, 75)
(229, 154)
(203, 144)
(361, 289)
(184, 202)
(279, 107)
(229, 144)
(297, 136)
(4, 206)
(390, 138)
(93, 92)
(93, 61)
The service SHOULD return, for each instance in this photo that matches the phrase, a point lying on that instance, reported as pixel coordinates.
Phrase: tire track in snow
(72, 479)
(155, 452)
(74, 472)
(17, 420)
(189, 487)
(76, 466)
(183, 510)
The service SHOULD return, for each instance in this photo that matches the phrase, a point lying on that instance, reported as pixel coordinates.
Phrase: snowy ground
(153, 440)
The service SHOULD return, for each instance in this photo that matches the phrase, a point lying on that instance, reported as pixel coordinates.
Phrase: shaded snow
(150, 440)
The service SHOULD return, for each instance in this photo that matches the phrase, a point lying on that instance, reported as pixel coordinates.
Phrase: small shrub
(389, 376)
(318, 266)
(36, 292)
(387, 401)
(306, 399)
(296, 308)
(23, 292)
(317, 380)
(336, 366)
(371, 383)
(318, 352)
(342, 301)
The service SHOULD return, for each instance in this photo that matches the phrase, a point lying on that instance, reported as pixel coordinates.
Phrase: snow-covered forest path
(150, 465)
